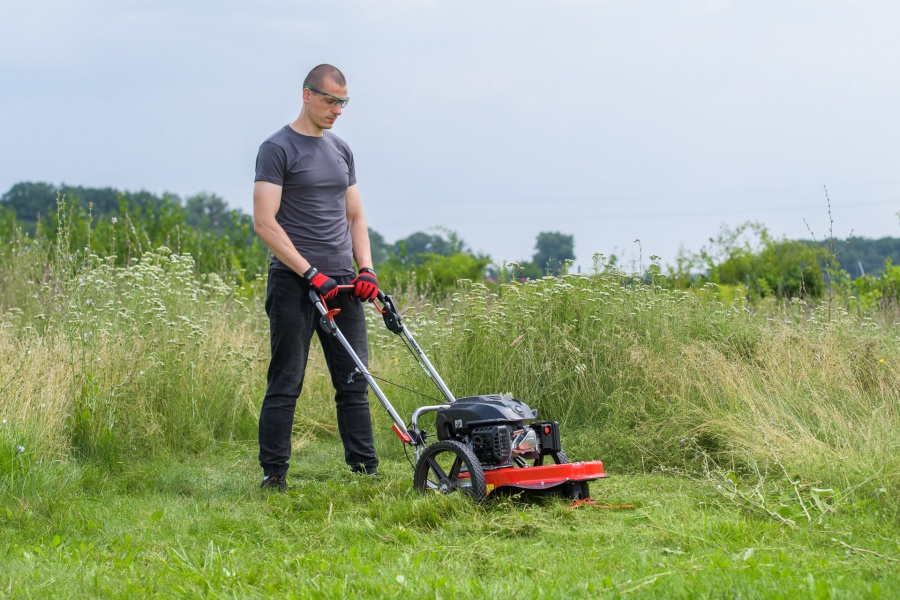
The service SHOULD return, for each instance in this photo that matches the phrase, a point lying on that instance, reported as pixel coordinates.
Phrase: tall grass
(659, 377)
(111, 363)
(108, 362)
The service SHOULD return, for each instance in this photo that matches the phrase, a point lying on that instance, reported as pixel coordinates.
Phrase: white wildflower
(20, 449)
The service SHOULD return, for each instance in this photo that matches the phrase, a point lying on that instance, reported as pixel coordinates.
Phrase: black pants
(292, 320)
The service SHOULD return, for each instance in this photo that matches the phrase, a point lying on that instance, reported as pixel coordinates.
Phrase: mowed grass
(199, 526)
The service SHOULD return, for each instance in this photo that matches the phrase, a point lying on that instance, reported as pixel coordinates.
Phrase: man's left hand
(365, 285)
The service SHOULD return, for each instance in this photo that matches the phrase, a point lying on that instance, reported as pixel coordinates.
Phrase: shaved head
(318, 75)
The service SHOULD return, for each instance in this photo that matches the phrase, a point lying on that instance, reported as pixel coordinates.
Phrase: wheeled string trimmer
(484, 443)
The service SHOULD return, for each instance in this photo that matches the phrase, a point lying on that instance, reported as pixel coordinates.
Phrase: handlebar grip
(342, 290)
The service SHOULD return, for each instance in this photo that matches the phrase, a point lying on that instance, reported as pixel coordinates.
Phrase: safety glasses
(330, 98)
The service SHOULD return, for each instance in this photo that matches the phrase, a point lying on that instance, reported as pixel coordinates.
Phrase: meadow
(756, 444)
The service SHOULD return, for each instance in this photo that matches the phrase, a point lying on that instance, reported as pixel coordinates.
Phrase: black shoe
(274, 482)
(363, 470)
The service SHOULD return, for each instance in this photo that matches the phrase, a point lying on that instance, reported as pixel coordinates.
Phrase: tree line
(110, 222)
(746, 260)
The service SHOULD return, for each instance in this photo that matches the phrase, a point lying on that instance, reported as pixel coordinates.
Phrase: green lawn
(198, 526)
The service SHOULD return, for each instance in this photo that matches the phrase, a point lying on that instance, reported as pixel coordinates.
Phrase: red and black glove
(365, 285)
(325, 285)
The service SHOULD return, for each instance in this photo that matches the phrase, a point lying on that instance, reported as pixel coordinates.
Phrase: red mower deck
(569, 480)
(537, 478)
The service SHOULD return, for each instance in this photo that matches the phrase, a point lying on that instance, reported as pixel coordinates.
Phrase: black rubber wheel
(440, 468)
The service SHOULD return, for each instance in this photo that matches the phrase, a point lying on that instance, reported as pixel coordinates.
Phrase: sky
(612, 121)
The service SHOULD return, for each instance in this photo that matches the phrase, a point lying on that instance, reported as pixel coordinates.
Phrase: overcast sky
(609, 120)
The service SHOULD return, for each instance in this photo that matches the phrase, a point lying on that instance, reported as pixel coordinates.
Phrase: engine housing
(487, 422)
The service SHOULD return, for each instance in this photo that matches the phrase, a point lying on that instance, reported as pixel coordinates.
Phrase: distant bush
(427, 264)
(783, 269)
(749, 257)
(434, 275)
(881, 292)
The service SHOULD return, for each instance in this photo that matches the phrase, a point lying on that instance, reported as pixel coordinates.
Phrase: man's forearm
(278, 242)
(362, 250)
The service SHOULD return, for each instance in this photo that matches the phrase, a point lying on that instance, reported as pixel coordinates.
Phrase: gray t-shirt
(314, 173)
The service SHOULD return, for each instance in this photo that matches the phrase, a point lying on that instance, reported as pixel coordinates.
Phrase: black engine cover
(492, 445)
(467, 414)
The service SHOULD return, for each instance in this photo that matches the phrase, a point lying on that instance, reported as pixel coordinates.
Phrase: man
(307, 210)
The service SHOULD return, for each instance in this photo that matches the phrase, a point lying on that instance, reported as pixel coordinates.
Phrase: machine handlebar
(343, 290)
(389, 312)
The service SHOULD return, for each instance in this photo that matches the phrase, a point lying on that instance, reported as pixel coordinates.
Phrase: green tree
(33, 199)
(410, 249)
(552, 250)
(413, 249)
(438, 274)
(429, 263)
(29, 199)
(380, 248)
(103, 201)
(206, 210)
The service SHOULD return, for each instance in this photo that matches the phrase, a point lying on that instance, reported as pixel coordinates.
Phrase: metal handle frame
(394, 323)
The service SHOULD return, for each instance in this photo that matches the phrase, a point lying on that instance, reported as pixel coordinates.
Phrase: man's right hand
(325, 285)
